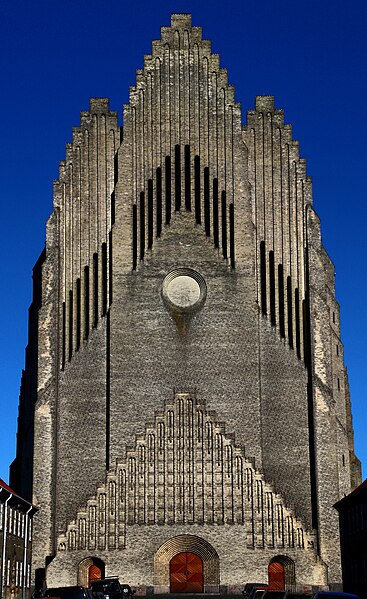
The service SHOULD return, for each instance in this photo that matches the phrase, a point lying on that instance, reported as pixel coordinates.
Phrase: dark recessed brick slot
(281, 299)
(187, 178)
(95, 289)
(135, 236)
(78, 314)
(71, 315)
(177, 178)
(206, 201)
(168, 189)
(86, 302)
(142, 225)
(110, 262)
(290, 312)
(224, 224)
(297, 317)
(272, 287)
(113, 208)
(215, 213)
(104, 279)
(159, 200)
(63, 335)
(263, 277)
(197, 189)
(150, 213)
(231, 234)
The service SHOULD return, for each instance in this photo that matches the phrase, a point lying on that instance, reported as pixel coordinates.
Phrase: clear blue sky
(311, 55)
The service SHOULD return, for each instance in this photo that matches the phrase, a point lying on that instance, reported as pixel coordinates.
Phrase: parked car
(111, 588)
(334, 595)
(252, 586)
(273, 594)
(76, 592)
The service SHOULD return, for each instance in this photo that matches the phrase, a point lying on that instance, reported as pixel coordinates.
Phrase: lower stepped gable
(136, 491)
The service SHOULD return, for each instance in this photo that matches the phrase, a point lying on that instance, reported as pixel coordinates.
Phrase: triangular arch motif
(184, 469)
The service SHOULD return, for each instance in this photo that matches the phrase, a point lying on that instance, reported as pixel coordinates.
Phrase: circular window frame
(184, 272)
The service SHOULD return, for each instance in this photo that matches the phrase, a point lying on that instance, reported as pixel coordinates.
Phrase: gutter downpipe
(4, 546)
(25, 579)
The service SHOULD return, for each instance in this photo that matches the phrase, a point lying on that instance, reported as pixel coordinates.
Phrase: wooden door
(186, 573)
(276, 576)
(94, 573)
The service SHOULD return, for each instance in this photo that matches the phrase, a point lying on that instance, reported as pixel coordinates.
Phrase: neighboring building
(15, 544)
(185, 377)
(353, 540)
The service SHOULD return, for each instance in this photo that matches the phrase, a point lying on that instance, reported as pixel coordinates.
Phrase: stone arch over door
(91, 568)
(182, 544)
(281, 572)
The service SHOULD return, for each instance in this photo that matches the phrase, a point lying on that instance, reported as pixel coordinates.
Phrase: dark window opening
(197, 189)
(338, 384)
(78, 314)
(135, 237)
(334, 317)
(187, 178)
(231, 234)
(272, 287)
(71, 316)
(224, 225)
(95, 290)
(159, 200)
(343, 459)
(281, 300)
(290, 312)
(142, 225)
(206, 201)
(150, 213)
(104, 279)
(337, 350)
(177, 178)
(86, 302)
(215, 213)
(110, 267)
(168, 189)
(297, 318)
(263, 277)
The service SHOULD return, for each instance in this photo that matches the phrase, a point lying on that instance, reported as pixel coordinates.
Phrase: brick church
(184, 417)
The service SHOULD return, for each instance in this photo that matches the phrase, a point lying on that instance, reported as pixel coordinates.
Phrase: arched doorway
(281, 573)
(186, 573)
(201, 556)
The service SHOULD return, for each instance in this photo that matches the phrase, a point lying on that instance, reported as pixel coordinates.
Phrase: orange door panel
(186, 573)
(276, 576)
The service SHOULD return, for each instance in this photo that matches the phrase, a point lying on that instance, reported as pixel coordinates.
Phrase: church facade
(185, 398)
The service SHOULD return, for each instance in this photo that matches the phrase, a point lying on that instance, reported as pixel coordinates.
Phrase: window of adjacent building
(8, 570)
(1, 515)
(10, 520)
(28, 576)
(30, 530)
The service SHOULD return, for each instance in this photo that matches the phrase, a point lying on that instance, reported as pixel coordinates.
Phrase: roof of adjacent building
(10, 491)
(356, 496)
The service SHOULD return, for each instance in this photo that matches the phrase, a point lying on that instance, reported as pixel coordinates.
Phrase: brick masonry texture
(224, 430)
